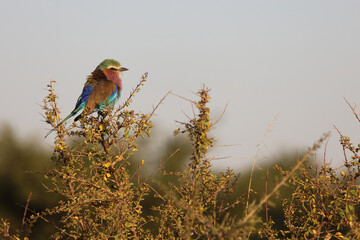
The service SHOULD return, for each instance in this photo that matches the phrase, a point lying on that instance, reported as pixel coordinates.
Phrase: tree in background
(19, 161)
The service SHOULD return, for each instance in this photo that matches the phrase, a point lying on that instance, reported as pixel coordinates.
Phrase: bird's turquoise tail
(73, 113)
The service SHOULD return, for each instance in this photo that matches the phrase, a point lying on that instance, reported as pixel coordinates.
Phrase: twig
(25, 211)
(353, 110)
(182, 97)
(222, 114)
(255, 158)
(285, 178)
(156, 192)
(266, 192)
(325, 150)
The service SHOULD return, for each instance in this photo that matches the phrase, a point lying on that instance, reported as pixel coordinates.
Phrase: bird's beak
(122, 69)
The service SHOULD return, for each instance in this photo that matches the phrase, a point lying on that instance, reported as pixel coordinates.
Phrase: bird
(101, 90)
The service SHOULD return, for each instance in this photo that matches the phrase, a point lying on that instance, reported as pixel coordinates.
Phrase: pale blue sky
(296, 58)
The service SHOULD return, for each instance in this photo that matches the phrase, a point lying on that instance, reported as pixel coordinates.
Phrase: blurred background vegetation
(23, 162)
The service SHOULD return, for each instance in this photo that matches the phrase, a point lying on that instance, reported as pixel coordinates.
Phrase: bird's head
(112, 70)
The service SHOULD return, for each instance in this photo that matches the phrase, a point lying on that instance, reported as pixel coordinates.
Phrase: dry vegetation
(102, 190)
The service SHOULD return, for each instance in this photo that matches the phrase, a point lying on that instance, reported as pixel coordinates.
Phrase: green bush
(102, 192)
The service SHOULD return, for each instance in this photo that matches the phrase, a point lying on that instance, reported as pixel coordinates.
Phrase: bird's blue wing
(84, 97)
(81, 102)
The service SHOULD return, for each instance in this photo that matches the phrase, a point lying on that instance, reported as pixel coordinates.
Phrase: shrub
(102, 190)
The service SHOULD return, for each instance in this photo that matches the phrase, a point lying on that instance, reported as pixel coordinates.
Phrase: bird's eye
(114, 69)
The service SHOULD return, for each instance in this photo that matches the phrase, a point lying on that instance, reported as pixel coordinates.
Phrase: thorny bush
(102, 195)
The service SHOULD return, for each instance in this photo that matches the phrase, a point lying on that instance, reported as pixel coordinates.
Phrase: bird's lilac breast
(113, 76)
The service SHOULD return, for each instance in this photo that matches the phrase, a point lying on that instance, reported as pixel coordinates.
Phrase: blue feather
(84, 97)
(114, 97)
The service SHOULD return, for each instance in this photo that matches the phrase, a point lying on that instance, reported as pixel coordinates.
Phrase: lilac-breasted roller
(102, 89)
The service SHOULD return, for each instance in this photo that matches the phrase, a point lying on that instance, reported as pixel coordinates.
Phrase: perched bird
(102, 89)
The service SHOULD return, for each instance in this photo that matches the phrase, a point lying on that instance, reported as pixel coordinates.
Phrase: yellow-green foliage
(103, 194)
(197, 208)
(99, 199)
